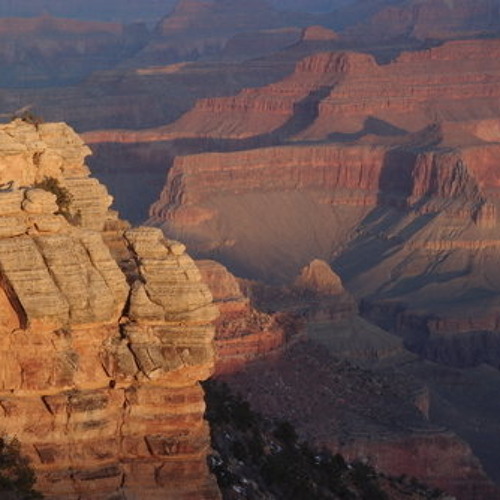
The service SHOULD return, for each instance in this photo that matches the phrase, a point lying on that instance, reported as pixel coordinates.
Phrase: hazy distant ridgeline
(110, 10)
(133, 10)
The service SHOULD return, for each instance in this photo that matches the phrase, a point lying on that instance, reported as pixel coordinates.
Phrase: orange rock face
(100, 369)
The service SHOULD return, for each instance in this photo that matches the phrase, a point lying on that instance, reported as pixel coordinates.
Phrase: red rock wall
(457, 81)
(352, 175)
(192, 179)
(441, 460)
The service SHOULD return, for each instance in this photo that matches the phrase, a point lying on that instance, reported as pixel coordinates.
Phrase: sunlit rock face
(100, 367)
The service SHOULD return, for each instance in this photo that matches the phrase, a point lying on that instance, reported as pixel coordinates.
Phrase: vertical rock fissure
(13, 300)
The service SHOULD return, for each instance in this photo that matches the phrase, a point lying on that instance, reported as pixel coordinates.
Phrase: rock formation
(386, 171)
(319, 278)
(100, 368)
(419, 88)
(242, 333)
(404, 176)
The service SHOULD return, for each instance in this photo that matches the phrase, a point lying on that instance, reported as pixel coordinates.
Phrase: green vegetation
(259, 458)
(16, 476)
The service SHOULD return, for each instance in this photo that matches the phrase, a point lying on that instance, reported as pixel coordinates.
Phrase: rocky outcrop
(100, 368)
(34, 153)
(242, 333)
(319, 278)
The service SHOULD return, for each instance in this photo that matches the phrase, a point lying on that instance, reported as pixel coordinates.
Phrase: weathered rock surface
(32, 153)
(100, 369)
(319, 278)
(242, 333)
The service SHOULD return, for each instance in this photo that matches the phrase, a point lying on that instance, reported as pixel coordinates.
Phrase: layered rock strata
(397, 160)
(100, 370)
(243, 333)
(457, 81)
(332, 179)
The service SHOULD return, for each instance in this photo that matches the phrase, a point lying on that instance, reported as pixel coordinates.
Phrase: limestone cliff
(100, 369)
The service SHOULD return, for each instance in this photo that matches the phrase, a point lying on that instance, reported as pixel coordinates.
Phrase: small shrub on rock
(64, 197)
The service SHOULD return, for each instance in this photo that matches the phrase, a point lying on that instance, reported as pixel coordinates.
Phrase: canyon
(349, 385)
(404, 176)
(349, 180)
(388, 172)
